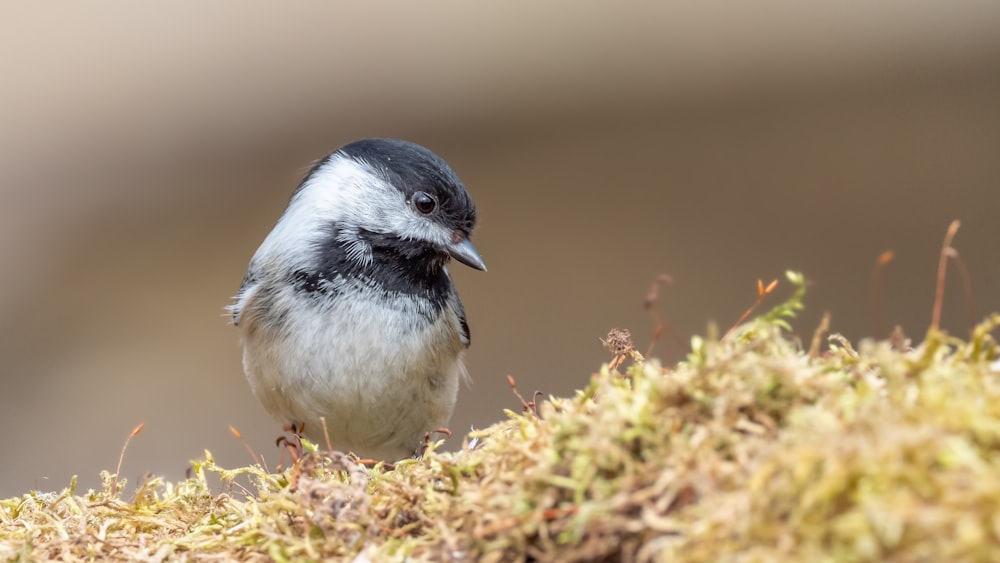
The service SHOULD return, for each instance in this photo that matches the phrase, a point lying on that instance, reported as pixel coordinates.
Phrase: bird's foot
(427, 438)
(291, 440)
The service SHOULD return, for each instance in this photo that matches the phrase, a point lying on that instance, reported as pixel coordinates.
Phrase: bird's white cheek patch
(423, 229)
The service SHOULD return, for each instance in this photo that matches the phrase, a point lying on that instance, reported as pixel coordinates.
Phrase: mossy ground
(753, 449)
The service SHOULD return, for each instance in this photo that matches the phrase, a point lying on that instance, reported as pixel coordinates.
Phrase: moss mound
(752, 449)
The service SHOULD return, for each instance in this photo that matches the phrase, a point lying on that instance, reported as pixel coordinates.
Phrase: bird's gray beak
(464, 252)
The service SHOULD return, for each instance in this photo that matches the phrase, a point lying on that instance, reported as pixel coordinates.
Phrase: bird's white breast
(380, 379)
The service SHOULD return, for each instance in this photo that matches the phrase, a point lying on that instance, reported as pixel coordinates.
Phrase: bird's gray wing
(249, 280)
(462, 323)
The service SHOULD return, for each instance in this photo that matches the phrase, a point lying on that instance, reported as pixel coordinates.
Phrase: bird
(352, 329)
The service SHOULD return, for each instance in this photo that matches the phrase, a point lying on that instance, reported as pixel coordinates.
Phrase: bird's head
(379, 197)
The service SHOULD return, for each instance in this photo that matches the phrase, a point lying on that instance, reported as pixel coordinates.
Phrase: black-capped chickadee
(347, 311)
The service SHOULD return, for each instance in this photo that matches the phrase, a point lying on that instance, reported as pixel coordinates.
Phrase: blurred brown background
(146, 151)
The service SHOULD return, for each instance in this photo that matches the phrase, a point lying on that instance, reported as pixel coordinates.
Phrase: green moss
(751, 450)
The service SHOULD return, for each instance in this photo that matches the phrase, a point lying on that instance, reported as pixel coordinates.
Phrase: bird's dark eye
(424, 202)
